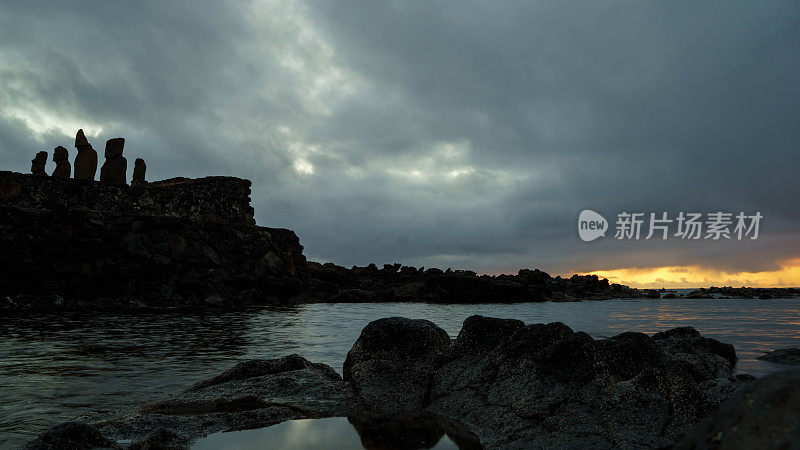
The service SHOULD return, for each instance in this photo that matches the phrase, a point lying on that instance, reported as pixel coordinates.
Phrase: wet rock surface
(763, 415)
(500, 384)
(789, 356)
(253, 394)
(392, 363)
(545, 386)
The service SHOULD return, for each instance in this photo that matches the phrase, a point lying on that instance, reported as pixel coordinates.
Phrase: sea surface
(56, 366)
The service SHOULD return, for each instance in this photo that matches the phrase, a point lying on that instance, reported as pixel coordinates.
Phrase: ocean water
(56, 366)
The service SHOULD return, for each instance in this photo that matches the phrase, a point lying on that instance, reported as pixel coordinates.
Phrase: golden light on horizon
(788, 275)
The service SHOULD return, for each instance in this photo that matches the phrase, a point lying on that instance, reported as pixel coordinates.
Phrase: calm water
(56, 366)
(306, 434)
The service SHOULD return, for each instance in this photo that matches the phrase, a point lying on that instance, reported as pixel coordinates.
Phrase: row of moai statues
(114, 169)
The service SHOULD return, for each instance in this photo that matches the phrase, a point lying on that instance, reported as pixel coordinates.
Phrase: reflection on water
(56, 366)
(340, 433)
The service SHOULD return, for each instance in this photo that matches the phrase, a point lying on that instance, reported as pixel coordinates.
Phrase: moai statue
(38, 163)
(61, 158)
(86, 160)
(115, 168)
(139, 168)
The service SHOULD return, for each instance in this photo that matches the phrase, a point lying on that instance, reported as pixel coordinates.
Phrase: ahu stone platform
(172, 243)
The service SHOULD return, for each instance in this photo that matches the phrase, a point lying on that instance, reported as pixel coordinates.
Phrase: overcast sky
(464, 134)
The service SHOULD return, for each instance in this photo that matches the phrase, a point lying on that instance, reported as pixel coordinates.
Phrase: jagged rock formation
(115, 168)
(332, 283)
(37, 164)
(61, 158)
(86, 159)
(178, 242)
(743, 292)
(501, 384)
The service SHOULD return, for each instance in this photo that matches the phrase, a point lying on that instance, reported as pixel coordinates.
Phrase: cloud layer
(463, 134)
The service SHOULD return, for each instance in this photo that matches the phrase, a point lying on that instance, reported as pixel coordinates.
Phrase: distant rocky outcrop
(743, 292)
(500, 384)
(395, 282)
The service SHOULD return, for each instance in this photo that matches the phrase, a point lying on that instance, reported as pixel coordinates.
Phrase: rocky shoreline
(188, 243)
(743, 292)
(499, 384)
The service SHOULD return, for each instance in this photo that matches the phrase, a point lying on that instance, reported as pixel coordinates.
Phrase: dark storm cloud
(464, 134)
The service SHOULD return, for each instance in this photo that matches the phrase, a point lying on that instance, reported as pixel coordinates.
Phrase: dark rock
(332, 283)
(260, 367)
(744, 292)
(69, 435)
(765, 414)
(254, 394)
(789, 356)
(160, 438)
(391, 365)
(545, 386)
(61, 158)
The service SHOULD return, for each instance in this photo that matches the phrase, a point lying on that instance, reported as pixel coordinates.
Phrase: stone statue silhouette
(139, 169)
(61, 158)
(38, 163)
(115, 168)
(86, 160)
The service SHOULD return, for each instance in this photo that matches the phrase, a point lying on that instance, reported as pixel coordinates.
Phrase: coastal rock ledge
(500, 384)
(180, 242)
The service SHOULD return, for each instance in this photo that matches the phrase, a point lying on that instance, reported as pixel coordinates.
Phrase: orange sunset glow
(788, 275)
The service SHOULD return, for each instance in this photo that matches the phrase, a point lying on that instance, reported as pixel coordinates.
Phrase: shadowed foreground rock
(500, 384)
(392, 363)
(763, 415)
(540, 386)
